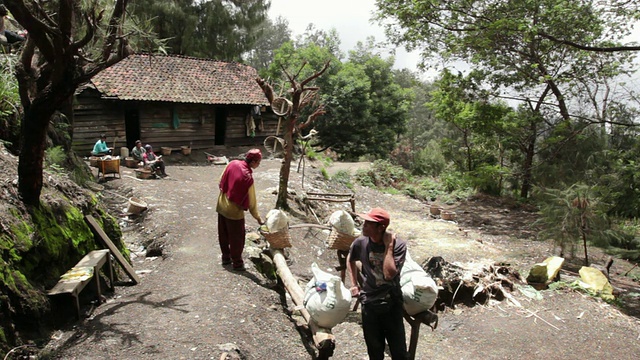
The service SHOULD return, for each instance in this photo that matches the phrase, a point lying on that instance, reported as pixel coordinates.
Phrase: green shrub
(343, 177)
(9, 104)
(574, 216)
(383, 174)
(325, 174)
(453, 180)
(488, 179)
(429, 161)
(55, 157)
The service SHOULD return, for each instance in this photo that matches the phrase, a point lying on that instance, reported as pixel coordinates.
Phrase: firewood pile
(471, 285)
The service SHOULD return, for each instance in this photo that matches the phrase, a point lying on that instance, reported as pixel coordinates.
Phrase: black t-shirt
(371, 255)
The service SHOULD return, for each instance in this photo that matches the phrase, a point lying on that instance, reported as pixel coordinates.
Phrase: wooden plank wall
(196, 125)
(92, 117)
(239, 138)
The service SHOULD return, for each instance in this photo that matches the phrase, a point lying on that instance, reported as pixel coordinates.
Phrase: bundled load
(277, 220)
(343, 230)
(419, 291)
(326, 298)
(343, 222)
(276, 229)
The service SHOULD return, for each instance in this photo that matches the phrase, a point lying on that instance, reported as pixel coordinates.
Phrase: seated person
(137, 153)
(154, 162)
(7, 36)
(101, 148)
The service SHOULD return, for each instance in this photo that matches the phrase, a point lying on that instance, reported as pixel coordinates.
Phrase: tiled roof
(181, 79)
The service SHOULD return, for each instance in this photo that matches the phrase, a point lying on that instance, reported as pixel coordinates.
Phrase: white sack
(343, 222)
(326, 298)
(276, 220)
(419, 291)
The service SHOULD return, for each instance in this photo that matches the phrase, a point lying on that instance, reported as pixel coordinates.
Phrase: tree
(172, 20)
(347, 126)
(504, 41)
(217, 29)
(302, 95)
(390, 103)
(273, 35)
(574, 215)
(56, 58)
(481, 128)
(227, 29)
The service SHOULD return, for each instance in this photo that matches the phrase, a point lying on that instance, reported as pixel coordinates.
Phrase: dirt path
(188, 306)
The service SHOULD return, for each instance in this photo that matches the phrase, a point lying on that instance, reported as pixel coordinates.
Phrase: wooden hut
(172, 101)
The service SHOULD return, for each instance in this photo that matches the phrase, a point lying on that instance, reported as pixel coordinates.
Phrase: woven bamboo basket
(281, 106)
(339, 241)
(448, 215)
(185, 150)
(435, 209)
(166, 151)
(131, 162)
(136, 206)
(143, 173)
(279, 239)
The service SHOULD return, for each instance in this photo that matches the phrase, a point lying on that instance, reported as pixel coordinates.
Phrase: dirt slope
(188, 306)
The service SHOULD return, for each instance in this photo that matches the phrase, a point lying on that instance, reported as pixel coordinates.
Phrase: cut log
(322, 337)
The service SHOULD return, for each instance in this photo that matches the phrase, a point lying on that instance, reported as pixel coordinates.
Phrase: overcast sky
(349, 17)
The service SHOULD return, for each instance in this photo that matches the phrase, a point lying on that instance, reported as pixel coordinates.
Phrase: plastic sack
(419, 291)
(343, 222)
(546, 271)
(594, 279)
(326, 298)
(276, 220)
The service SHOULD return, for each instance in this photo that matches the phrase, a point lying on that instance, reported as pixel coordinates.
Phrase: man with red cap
(237, 195)
(381, 255)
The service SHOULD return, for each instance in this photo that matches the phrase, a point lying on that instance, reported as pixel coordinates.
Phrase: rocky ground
(189, 306)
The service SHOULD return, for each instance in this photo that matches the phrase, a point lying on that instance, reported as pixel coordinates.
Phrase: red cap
(253, 155)
(378, 215)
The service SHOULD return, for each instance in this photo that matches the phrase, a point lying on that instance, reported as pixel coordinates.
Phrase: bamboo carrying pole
(322, 337)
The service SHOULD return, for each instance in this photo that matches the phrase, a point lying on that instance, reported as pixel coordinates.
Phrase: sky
(351, 19)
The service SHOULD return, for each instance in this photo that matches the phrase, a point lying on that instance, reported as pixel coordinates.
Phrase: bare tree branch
(317, 74)
(589, 48)
(318, 112)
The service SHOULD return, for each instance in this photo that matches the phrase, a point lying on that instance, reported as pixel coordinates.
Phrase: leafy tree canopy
(217, 29)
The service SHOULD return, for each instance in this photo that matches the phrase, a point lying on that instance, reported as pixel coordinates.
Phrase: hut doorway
(132, 125)
(221, 125)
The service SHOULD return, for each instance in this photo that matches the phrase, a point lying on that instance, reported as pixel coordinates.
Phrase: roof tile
(182, 79)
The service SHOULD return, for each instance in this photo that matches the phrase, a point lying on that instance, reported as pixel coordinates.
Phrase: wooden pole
(322, 337)
(426, 317)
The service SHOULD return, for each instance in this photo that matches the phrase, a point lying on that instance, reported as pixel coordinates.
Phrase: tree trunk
(34, 134)
(584, 237)
(528, 163)
(281, 202)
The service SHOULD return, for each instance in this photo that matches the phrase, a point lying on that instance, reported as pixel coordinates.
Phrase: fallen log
(323, 339)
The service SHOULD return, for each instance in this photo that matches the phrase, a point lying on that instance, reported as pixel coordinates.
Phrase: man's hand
(389, 238)
(355, 291)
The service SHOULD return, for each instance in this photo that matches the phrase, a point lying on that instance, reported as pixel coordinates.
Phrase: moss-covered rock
(39, 244)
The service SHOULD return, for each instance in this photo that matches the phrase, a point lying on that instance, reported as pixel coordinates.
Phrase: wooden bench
(94, 260)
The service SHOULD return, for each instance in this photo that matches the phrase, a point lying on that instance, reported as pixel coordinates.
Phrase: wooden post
(425, 317)
(322, 337)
